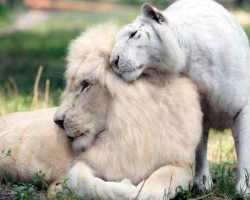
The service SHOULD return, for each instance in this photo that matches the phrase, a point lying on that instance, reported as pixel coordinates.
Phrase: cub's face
(140, 44)
(83, 113)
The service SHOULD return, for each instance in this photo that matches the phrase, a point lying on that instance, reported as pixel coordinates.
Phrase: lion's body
(150, 127)
(151, 132)
(34, 142)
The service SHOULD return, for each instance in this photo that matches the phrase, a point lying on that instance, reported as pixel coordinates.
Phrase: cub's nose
(59, 120)
(115, 62)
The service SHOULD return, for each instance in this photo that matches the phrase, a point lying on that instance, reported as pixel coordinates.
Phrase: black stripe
(140, 46)
(157, 35)
(237, 114)
(148, 36)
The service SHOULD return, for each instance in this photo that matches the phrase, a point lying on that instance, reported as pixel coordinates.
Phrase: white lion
(139, 131)
(34, 143)
(202, 40)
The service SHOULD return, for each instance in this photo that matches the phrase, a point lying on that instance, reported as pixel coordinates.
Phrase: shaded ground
(5, 195)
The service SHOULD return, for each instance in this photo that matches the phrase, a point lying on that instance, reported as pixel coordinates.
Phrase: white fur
(151, 132)
(36, 144)
(213, 51)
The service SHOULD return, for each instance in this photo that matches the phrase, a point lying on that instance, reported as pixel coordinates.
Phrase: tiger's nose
(115, 62)
(59, 120)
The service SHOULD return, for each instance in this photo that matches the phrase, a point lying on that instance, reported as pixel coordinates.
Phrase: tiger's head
(146, 42)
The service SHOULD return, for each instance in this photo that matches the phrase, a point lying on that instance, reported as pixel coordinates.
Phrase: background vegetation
(24, 49)
(43, 41)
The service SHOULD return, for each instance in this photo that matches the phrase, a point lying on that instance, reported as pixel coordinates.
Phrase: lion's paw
(80, 179)
(147, 193)
(54, 188)
(146, 196)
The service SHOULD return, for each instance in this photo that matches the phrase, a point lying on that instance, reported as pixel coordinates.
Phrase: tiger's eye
(132, 34)
(85, 85)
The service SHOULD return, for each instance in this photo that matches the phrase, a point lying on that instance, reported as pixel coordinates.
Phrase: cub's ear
(152, 13)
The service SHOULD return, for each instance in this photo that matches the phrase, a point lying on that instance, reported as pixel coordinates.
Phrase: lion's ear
(152, 13)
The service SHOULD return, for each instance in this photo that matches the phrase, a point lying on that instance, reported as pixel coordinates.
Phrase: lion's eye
(132, 34)
(85, 85)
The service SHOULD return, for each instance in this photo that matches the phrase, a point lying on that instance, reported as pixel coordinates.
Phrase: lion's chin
(82, 143)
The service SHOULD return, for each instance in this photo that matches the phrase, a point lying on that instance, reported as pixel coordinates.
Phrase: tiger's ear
(152, 13)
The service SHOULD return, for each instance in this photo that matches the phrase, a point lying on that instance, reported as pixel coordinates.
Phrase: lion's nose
(59, 120)
(115, 62)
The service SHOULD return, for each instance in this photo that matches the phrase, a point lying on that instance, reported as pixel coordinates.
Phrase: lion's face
(83, 112)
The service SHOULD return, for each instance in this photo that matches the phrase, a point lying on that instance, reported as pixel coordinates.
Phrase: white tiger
(202, 40)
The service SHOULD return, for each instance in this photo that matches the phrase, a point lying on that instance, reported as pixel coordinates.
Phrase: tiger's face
(146, 42)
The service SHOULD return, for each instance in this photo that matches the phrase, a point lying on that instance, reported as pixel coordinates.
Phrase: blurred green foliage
(159, 3)
(7, 14)
(247, 30)
(22, 52)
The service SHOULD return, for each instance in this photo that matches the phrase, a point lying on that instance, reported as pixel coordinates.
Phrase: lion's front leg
(83, 183)
(79, 180)
(163, 183)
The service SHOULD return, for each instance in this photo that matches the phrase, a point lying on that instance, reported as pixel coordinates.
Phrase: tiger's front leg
(203, 179)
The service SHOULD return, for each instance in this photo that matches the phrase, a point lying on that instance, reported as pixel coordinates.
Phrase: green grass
(222, 166)
(247, 30)
(7, 16)
(76, 20)
(11, 103)
(22, 52)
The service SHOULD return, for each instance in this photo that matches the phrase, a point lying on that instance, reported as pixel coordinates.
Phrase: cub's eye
(85, 85)
(132, 34)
